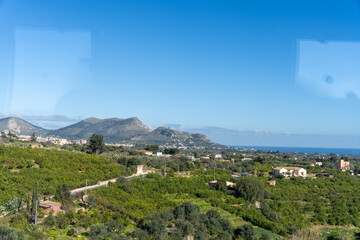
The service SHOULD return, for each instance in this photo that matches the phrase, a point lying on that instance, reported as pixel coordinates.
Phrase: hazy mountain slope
(268, 138)
(113, 129)
(171, 137)
(19, 126)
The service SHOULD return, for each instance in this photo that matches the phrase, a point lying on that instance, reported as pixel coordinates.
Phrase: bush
(71, 232)
(11, 233)
(246, 232)
(50, 221)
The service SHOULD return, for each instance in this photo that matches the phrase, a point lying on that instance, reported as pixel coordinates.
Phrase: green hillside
(21, 168)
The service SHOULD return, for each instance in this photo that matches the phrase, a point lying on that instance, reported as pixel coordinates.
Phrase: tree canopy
(250, 189)
(96, 144)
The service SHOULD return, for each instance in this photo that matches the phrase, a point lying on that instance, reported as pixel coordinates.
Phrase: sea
(340, 151)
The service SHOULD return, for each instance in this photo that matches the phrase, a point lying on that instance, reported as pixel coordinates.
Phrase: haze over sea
(341, 151)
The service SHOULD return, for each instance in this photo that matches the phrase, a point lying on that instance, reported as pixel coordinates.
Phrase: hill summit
(113, 129)
(20, 126)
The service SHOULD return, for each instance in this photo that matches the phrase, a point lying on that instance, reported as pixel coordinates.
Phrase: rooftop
(49, 204)
(288, 168)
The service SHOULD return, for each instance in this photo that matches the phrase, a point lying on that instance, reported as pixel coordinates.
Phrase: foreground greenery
(175, 202)
(21, 168)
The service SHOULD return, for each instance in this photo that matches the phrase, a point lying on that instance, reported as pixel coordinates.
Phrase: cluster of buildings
(157, 154)
(314, 164)
(289, 171)
(301, 172)
(53, 140)
(120, 145)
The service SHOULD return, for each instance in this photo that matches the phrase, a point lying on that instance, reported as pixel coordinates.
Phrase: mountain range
(114, 130)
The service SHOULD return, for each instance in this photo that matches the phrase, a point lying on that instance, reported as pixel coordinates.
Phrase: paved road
(103, 184)
(100, 184)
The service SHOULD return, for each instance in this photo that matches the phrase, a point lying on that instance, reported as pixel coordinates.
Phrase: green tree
(28, 205)
(246, 232)
(13, 205)
(140, 234)
(64, 196)
(157, 228)
(62, 192)
(91, 201)
(154, 148)
(96, 144)
(11, 234)
(33, 137)
(50, 220)
(34, 200)
(71, 232)
(264, 237)
(167, 215)
(250, 189)
(114, 226)
(185, 228)
(62, 221)
(221, 185)
(171, 151)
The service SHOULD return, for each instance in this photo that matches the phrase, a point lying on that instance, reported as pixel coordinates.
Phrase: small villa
(289, 171)
(49, 205)
(146, 152)
(272, 182)
(228, 184)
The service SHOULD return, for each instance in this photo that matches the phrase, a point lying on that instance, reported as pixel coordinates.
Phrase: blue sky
(280, 66)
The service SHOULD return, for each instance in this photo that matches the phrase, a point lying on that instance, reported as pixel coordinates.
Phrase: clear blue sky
(283, 66)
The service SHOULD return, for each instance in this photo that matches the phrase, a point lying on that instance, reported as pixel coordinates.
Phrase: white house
(218, 156)
(146, 152)
(289, 171)
(313, 164)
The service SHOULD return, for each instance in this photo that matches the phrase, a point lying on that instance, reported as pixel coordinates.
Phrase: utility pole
(165, 171)
(86, 188)
(214, 172)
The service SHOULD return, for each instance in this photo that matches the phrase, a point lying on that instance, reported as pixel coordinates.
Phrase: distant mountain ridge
(19, 126)
(114, 130)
